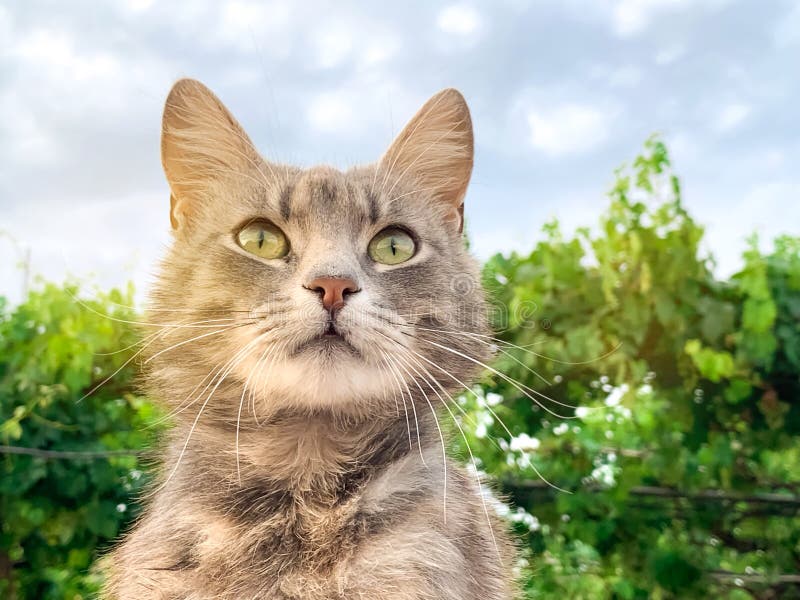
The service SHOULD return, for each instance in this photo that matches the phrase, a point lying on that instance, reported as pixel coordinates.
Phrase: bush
(59, 511)
(681, 457)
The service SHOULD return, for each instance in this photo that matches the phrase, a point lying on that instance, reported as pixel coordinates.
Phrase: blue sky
(561, 93)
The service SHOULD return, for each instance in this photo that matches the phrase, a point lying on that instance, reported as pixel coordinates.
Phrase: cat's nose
(333, 291)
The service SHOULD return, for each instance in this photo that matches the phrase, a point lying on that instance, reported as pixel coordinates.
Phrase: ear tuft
(436, 149)
(201, 143)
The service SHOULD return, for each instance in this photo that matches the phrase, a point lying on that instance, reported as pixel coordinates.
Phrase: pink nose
(333, 291)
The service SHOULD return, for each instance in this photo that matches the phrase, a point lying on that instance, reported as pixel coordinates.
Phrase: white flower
(524, 442)
(560, 429)
(493, 399)
(615, 395)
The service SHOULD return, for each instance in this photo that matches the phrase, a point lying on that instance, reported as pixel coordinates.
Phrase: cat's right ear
(201, 144)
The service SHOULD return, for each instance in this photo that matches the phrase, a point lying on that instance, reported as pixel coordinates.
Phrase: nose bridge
(332, 271)
(333, 258)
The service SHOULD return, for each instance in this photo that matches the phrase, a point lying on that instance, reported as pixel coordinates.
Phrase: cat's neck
(321, 455)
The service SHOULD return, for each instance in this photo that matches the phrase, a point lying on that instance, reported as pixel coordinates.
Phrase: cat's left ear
(435, 150)
(201, 144)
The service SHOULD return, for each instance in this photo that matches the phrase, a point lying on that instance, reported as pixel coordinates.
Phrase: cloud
(459, 20)
(244, 24)
(568, 129)
(55, 50)
(634, 16)
(334, 44)
(731, 116)
(332, 112)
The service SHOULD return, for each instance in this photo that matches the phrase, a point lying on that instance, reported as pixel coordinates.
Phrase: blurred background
(635, 202)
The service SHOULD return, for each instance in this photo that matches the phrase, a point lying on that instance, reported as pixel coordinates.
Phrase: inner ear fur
(201, 142)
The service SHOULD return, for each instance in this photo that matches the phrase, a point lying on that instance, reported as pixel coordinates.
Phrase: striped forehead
(325, 196)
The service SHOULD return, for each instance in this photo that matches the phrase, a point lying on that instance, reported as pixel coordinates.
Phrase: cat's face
(316, 287)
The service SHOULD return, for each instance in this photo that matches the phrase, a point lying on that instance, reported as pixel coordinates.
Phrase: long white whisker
(494, 415)
(516, 384)
(237, 358)
(436, 421)
(199, 337)
(475, 469)
(398, 379)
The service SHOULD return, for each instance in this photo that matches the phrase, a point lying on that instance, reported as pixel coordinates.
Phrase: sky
(561, 93)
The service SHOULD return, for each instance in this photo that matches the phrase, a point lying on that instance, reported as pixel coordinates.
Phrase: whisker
(475, 469)
(524, 349)
(237, 358)
(192, 339)
(239, 413)
(398, 378)
(519, 386)
(492, 412)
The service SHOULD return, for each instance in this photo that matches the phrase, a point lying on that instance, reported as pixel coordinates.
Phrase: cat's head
(315, 287)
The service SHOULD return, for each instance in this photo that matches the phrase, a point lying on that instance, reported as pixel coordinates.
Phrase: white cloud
(245, 24)
(459, 20)
(55, 50)
(137, 6)
(568, 129)
(331, 112)
(634, 16)
(731, 116)
(380, 49)
(356, 41)
(334, 45)
(361, 109)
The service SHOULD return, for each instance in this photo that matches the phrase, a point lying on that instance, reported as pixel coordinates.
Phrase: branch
(757, 578)
(665, 492)
(68, 454)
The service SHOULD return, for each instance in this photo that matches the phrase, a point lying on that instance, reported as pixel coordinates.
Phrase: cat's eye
(391, 246)
(263, 239)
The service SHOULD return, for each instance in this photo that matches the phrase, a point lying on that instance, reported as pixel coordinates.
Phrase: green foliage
(686, 388)
(57, 515)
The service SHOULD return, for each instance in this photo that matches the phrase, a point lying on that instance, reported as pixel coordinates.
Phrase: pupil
(393, 247)
(260, 238)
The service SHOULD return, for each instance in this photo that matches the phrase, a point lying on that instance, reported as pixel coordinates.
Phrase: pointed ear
(201, 143)
(436, 149)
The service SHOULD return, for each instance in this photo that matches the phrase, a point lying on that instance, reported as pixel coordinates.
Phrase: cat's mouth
(329, 342)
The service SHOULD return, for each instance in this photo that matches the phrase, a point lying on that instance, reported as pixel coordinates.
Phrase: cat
(308, 326)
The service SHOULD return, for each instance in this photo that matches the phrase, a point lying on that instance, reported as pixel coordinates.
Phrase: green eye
(264, 240)
(391, 246)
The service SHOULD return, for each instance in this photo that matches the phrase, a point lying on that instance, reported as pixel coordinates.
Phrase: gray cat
(308, 327)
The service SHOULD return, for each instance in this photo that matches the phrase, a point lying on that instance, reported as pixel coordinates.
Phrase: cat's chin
(323, 372)
(326, 375)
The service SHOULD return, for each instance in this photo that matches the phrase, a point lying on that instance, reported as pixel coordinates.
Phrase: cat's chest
(281, 537)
